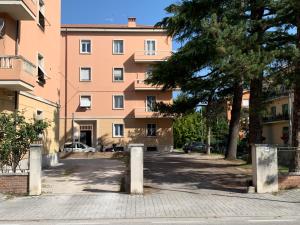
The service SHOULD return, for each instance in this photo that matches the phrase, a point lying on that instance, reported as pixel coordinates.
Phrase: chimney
(131, 22)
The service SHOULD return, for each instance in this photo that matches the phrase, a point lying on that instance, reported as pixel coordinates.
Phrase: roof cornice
(121, 30)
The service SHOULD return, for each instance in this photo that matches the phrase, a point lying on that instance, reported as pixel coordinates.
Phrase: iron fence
(286, 158)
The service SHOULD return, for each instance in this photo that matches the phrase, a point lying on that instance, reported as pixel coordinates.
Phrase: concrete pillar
(35, 170)
(136, 168)
(265, 168)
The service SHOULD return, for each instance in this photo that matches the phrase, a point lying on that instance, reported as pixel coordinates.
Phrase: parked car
(113, 148)
(194, 146)
(77, 147)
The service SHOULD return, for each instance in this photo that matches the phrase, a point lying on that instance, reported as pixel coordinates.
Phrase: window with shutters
(85, 74)
(118, 74)
(85, 101)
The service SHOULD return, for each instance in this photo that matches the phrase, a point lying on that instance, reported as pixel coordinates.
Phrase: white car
(77, 147)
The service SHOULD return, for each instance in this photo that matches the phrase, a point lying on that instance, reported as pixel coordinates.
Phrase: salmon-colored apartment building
(104, 99)
(30, 63)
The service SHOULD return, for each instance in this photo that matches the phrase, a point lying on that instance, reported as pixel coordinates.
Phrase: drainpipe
(17, 53)
(66, 82)
(17, 38)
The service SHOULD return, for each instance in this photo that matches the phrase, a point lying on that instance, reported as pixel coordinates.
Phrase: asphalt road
(170, 221)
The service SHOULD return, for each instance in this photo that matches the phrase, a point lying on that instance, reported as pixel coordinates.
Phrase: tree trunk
(234, 126)
(296, 107)
(256, 102)
(255, 113)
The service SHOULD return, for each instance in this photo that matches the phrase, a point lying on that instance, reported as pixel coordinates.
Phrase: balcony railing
(140, 85)
(151, 56)
(144, 113)
(17, 73)
(279, 117)
(19, 9)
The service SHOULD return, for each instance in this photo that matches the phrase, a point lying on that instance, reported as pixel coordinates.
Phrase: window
(118, 74)
(118, 47)
(245, 103)
(118, 102)
(150, 103)
(151, 130)
(41, 70)
(150, 47)
(42, 14)
(85, 47)
(85, 74)
(118, 130)
(285, 109)
(273, 111)
(39, 115)
(85, 101)
(148, 73)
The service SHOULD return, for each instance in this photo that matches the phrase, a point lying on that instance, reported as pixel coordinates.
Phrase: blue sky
(113, 11)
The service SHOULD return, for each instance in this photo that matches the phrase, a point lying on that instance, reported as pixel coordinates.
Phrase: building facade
(105, 100)
(277, 123)
(29, 68)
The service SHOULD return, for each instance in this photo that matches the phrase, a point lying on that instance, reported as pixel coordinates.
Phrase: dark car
(194, 146)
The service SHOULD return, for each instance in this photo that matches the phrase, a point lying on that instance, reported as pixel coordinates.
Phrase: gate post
(35, 169)
(265, 168)
(136, 168)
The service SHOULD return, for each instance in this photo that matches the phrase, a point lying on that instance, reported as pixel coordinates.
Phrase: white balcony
(19, 9)
(140, 85)
(151, 56)
(17, 73)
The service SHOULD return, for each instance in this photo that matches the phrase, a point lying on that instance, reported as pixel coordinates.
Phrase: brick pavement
(164, 204)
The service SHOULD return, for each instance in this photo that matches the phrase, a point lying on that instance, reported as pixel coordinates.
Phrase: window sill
(118, 53)
(85, 81)
(118, 108)
(118, 136)
(85, 53)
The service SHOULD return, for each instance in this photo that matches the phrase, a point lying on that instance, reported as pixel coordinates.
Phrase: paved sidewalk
(156, 205)
(177, 186)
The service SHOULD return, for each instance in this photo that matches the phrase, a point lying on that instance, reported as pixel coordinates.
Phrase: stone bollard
(35, 170)
(136, 168)
(265, 168)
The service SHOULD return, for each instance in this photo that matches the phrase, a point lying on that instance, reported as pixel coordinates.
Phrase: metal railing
(286, 158)
(278, 117)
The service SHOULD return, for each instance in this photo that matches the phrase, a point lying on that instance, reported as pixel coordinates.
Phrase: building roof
(121, 26)
(109, 28)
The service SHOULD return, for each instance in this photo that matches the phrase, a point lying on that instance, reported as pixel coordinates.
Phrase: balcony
(19, 9)
(149, 57)
(277, 118)
(140, 85)
(142, 113)
(17, 73)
